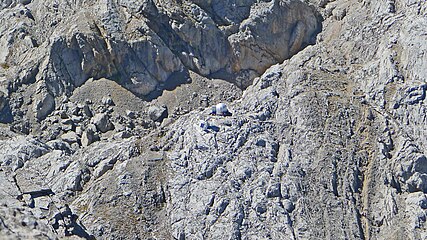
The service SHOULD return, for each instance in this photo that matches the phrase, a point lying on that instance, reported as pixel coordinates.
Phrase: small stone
(91, 127)
(87, 112)
(59, 145)
(75, 146)
(130, 114)
(339, 13)
(154, 148)
(68, 127)
(122, 135)
(67, 121)
(107, 101)
(261, 208)
(77, 119)
(119, 127)
(70, 137)
(274, 191)
(79, 131)
(261, 143)
(63, 114)
(418, 182)
(42, 202)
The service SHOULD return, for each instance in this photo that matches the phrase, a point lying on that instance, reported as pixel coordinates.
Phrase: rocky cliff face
(101, 104)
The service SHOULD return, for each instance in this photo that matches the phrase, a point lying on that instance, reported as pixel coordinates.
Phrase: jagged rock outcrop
(142, 44)
(103, 103)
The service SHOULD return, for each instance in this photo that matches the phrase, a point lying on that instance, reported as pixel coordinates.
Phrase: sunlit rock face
(110, 127)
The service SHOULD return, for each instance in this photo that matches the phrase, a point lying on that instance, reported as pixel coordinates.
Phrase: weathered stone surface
(70, 137)
(102, 122)
(44, 104)
(157, 114)
(291, 25)
(327, 140)
(89, 136)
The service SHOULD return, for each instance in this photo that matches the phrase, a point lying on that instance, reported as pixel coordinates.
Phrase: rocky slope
(101, 104)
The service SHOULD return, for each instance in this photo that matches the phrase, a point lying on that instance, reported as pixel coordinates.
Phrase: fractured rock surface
(101, 104)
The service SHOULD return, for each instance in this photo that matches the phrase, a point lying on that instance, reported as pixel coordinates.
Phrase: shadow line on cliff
(175, 80)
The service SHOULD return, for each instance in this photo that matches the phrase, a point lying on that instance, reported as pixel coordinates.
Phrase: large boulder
(102, 122)
(44, 104)
(157, 114)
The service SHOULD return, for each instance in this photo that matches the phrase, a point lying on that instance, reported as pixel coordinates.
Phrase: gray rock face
(142, 44)
(327, 140)
(255, 51)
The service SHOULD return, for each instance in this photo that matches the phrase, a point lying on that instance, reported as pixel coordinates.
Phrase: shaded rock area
(107, 131)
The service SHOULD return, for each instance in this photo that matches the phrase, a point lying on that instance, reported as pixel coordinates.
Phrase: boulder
(89, 136)
(107, 101)
(70, 137)
(43, 105)
(102, 122)
(157, 114)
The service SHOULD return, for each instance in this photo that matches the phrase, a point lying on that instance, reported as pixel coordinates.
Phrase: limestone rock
(157, 114)
(291, 24)
(70, 137)
(107, 101)
(102, 122)
(89, 136)
(326, 139)
(44, 104)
